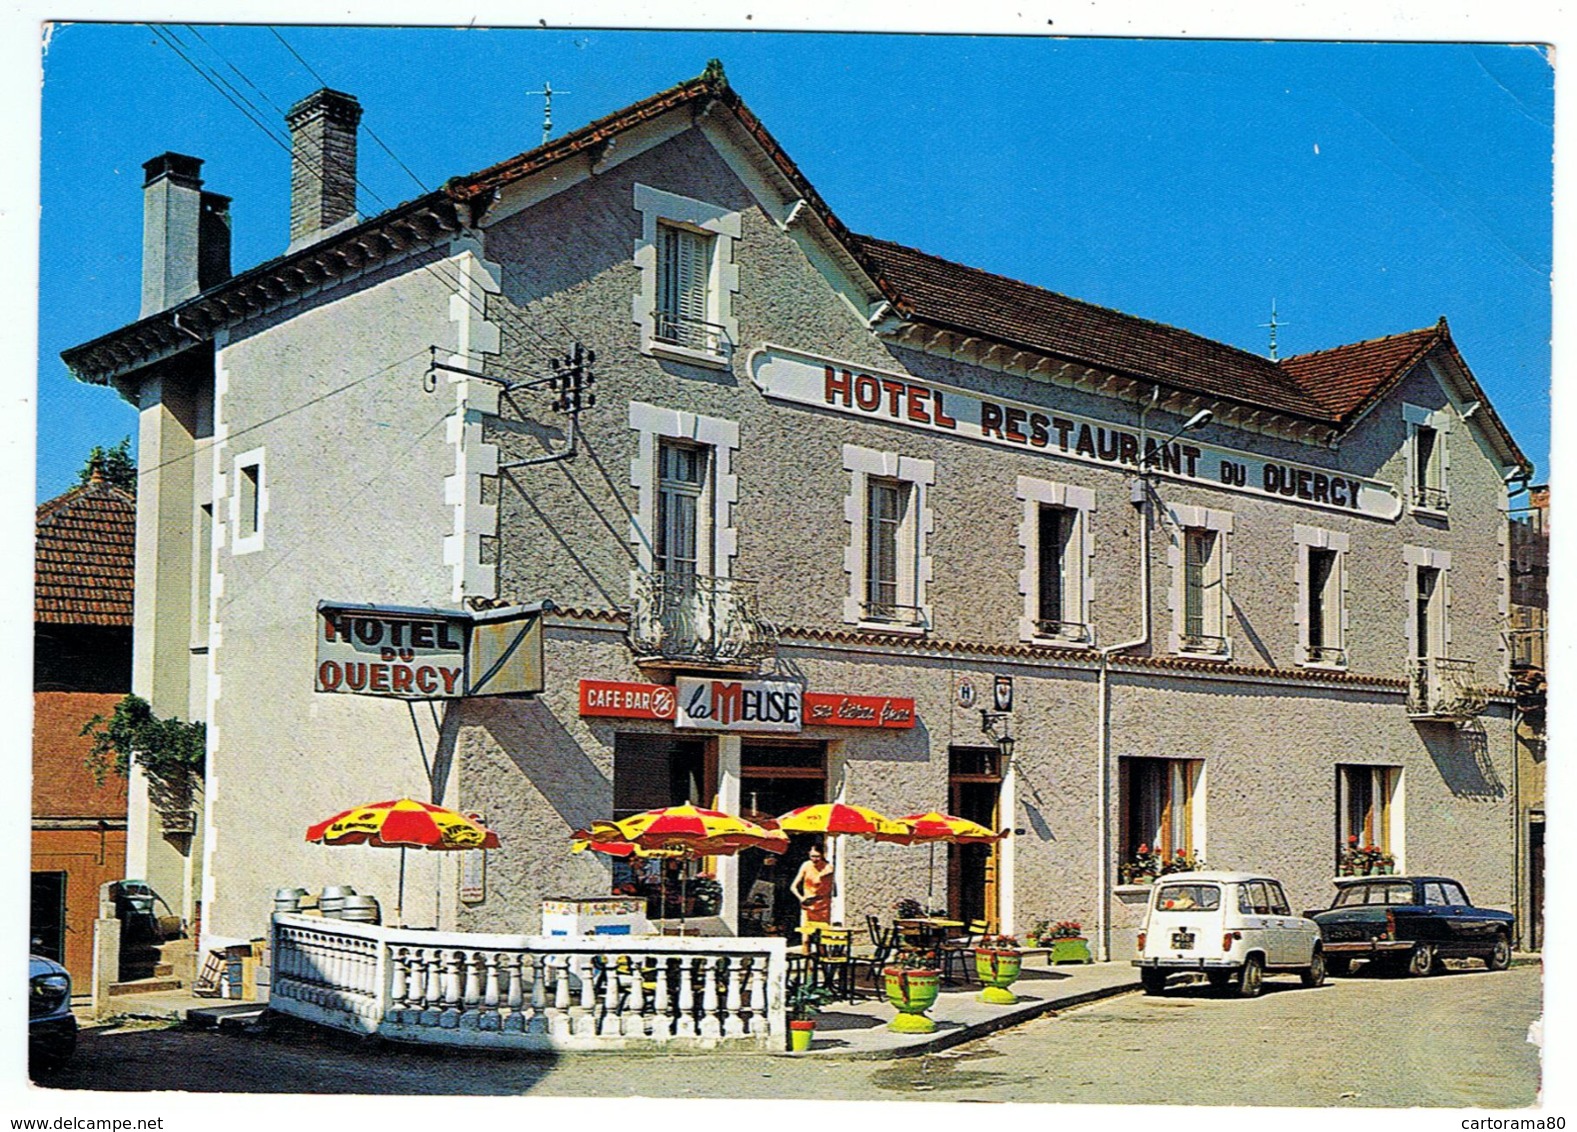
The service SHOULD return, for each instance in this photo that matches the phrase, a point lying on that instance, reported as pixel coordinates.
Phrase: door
(1291, 939)
(48, 919)
(974, 792)
(1535, 930)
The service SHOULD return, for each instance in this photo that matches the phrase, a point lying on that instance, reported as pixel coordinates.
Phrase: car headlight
(49, 992)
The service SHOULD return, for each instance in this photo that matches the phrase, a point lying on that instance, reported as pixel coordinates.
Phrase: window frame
(913, 557)
(723, 226)
(1377, 788)
(248, 509)
(1185, 528)
(1178, 787)
(1077, 504)
(670, 491)
(1428, 472)
(1325, 646)
(716, 539)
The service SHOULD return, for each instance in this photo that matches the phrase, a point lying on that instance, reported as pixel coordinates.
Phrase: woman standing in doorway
(812, 887)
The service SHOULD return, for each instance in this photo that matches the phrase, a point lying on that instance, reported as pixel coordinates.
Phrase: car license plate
(1183, 941)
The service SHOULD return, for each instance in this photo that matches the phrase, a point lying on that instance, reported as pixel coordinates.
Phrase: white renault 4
(1234, 927)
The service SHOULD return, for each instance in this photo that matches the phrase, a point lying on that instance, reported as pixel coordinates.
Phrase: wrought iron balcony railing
(1442, 688)
(691, 333)
(1431, 498)
(1203, 644)
(698, 619)
(1325, 654)
(886, 613)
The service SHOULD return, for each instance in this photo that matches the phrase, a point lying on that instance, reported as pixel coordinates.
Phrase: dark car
(1409, 924)
(51, 1027)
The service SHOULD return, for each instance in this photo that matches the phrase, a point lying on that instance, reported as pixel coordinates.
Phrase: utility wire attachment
(571, 385)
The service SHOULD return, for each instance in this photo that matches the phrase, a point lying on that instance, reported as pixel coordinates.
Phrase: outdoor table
(930, 930)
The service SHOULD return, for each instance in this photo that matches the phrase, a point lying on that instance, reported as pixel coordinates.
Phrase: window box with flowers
(1364, 860)
(912, 981)
(998, 961)
(1147, 864)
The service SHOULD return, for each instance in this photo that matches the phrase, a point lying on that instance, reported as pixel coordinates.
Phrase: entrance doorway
(974, 790)
(48, 919)
(1536, 884)
(775, 778)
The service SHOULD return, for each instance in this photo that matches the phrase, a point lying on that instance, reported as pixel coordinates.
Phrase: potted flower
(997, 963)
(1183, 862)
(706, 895)
(1068, 944)
(804, 1001)
(1041, 931)
(1365, 860)
(1143, 868)
(912, 982)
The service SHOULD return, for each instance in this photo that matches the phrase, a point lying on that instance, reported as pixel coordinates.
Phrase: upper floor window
(248, 503)
(688, 278)
(1322, 584)
(684, 278)
(887, 560)
(681, 492)
(1429, 612)
(1055, 580)
(1427, 458)
(886, 505)
(1200, 565)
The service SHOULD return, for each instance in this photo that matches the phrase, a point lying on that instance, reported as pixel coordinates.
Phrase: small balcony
(1442, 688)
(1202, 644)
(1426, 498)
(910, 618)
(1325, 656)
(1063, 633)
(681, 620)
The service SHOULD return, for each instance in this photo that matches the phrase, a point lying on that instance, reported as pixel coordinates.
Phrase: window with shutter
(684, 268)
(884, 518)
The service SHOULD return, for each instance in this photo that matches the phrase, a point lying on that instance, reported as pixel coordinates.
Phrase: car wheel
(1338, 964)
(1421, 961)
(1154, 981)
(1314, 974)
(1499, 958)
(1251, 977)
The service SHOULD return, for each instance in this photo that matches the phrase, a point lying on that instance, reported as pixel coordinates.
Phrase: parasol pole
(930, 880)
(399, 899)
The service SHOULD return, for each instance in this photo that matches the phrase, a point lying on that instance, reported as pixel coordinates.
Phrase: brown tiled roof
(83, 557)
(965, 298)
(1346, 378)
(63, 787)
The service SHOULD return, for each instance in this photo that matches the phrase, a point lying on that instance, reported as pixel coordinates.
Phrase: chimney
(185, 233)
(323, 165)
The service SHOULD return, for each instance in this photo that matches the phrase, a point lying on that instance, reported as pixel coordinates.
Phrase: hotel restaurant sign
(697, 704)
(805, 379)
(416, 653)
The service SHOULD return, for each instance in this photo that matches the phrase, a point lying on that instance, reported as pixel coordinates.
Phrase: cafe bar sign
(697, 704)
(417, 653)
(805, 379)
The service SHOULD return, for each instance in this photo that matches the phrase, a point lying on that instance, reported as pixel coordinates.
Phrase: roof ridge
(1436, 328)
(1070, 298)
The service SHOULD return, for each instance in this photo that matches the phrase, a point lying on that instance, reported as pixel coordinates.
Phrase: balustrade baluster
(433, 992)
(586, 1017)
(450, 1018)
(635, 1006)
(686, 1023)
(760, 1021)
(399, 982)
(608, 1025)
(662, 1014)
(734, 1023)
(711, 1024)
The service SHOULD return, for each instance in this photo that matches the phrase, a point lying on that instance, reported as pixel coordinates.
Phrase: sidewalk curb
(949, 1038)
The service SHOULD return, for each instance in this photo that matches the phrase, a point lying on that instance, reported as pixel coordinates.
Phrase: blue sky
(1366, 188)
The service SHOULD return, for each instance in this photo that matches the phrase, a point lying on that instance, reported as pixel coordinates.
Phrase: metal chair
(960, 952)
(884, 941)
(832, 952)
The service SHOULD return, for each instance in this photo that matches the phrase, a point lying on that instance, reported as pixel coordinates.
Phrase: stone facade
(386, 481)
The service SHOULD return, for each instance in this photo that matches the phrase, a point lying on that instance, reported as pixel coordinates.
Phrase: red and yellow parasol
(403, 823)
(839, 818)
(934, 826)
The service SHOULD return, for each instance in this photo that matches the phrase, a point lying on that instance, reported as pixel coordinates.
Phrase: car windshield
(1182, 897)
(1392, 893)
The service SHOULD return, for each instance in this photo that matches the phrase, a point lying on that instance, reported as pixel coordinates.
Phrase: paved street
(1454, 1041)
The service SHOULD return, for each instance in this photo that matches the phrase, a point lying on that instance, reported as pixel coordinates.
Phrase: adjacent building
(794, 514)
(82, 645)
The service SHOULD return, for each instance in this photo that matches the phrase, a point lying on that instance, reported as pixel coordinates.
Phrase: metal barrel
(361, 910)
(288, 899)
(332, 901)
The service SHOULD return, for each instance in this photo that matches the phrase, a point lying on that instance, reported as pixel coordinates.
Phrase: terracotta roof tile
(62, 784)
(83, 564)
(965, 298)
(1346, 378)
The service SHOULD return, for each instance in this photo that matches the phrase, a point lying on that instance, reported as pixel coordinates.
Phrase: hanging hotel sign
(415, 653)
(805, 379)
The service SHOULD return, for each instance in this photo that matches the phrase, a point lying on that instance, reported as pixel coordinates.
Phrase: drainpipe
(1141, 500)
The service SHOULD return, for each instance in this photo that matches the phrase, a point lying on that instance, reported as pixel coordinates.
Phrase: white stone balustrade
(530, 992)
